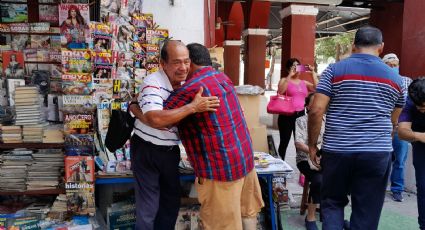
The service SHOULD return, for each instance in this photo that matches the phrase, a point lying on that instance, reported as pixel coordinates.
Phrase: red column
(255, 56)
(232, 54)
(298, 35)
(413, 46)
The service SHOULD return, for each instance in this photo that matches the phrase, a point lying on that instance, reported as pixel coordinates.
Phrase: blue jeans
(419, 164)
(365, 177)
(400, 155)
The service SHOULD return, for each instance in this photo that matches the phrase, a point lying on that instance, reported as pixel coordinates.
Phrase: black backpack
(120, 128)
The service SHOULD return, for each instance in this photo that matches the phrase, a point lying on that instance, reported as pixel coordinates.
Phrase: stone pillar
(298, 35)
(255, 56)
(232, 56)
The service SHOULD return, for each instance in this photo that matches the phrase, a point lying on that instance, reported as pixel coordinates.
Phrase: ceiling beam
(328, 20)
(349, 22)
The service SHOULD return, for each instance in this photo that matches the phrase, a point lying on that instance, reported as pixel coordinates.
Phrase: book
(79, 169)
(74, 29)
(14, 12)
(76, 61)
(77, 84)
(13, 64)
(80, 198)
(11, 86)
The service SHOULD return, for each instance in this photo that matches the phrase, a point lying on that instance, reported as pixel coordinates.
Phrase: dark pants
(157, 184)
(286, 126)
(315, 178)
(400, 156)
(419, 164)
(364, 176)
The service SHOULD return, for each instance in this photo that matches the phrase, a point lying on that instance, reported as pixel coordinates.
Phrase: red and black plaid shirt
(218, 144)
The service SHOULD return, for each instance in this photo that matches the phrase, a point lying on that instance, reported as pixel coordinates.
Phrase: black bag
(120, 127)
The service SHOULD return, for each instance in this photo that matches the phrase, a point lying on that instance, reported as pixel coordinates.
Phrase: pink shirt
(298, 92)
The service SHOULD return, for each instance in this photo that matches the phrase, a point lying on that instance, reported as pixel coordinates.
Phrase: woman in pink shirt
(294, 87)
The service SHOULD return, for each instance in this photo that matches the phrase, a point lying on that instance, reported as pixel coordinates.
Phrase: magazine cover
(4, 28)
(108, 7)
(77, 84)
(101, 37)
(79, 145)
(14, 12)
(79, 169)
(30, 54)
(103, 67)
(76, 61)
(78, 123)
(13, 64)
(41, 79)
(55, 56)
(123, 59)
(40, 27)
(73, 22)
(20, 42)
(19, 27)
(49, 13)
(123, 37)
(135, 6)
(140, 35)
(102, 90)
(79, 103)
(122, 89)
(40, 41)
(103, 117)
(142, 20)
(156, 36)
(80, 198)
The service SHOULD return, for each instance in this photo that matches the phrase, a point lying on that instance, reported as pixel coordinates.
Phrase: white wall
(184, 20)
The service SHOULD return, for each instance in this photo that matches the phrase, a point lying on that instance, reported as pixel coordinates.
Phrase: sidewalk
(395, 215)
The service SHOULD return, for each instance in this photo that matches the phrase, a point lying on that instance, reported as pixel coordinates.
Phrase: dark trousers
(157, 184)
(419, 164)
(364, 176)
(286, 126)
(315, 178)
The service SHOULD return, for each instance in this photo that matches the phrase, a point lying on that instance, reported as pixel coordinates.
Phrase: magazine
(30, 55)
(80, 198)
(20, 42)
(122, 89)
(55, 56)
(79, 169)
(40, 41)
(103, 67)
(79, 145)
(4, 28)
(41, 79)
(49, 13)
(74, 27)
(102, 90)
(77, 103)
(78, 123)
(13, 64)
(77, 84)
(156, 36)
(40, 27)
(14, 12)
(123, 59)
(76, 61)
(101, 37)
(19, 27)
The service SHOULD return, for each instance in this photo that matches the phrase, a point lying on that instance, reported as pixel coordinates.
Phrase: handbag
(281, 104)
(121, 126)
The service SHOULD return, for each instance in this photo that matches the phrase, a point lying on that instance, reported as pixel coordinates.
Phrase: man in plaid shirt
(219, 148)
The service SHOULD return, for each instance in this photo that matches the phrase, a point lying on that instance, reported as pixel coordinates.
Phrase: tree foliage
(333, 47)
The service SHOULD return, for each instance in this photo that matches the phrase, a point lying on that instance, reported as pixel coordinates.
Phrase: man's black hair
(291, 62)
(199, 54)
(417, 91)
(368, 36)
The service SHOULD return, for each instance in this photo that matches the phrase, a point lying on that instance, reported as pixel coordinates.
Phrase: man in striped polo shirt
(363, 98)
(155, 152)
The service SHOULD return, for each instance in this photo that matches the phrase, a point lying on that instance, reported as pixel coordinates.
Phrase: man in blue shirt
(363, 98)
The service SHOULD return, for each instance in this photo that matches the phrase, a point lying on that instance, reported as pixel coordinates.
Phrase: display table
(265, 171)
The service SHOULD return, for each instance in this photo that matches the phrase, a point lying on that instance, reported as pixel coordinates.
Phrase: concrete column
(255, 56)
(298, 35)
(232, 56)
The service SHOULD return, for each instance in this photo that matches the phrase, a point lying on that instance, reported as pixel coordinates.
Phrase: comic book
(74, 30)
(77, 84)
(13, 64)
(76, 61)
(79, 169)
(79, 145)
(14, 12)
(49, 13)
(39, 27)
(78, 123)
(80, 197)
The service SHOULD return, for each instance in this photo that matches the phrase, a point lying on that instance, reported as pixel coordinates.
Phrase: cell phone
(301, 68)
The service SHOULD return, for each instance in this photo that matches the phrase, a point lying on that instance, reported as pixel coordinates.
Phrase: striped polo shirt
(363, 92)
(154, 90)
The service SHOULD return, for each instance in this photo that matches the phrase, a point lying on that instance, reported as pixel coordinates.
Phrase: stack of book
(53, 136)
(10, 134)
(13, 169)
(32, 133)
(27, 106)
(45, 171)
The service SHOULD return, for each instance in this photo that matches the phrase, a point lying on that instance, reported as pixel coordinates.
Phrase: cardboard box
(259, 138)
(251, 109)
